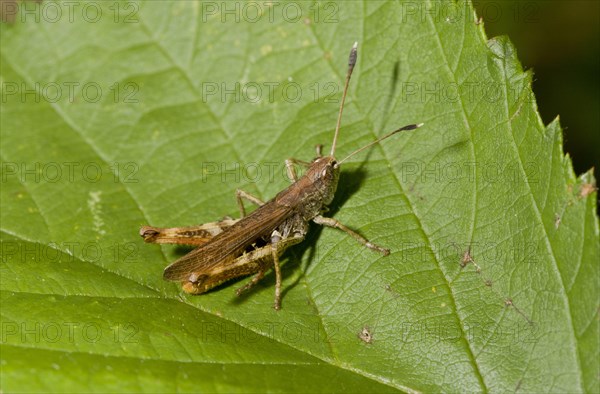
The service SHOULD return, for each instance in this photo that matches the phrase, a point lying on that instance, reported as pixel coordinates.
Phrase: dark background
(560, 41)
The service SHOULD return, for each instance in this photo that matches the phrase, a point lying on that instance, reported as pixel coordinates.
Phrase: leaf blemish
(468, 258)
(394, 293)
(95, 207)
(586, 190)
(365, 335)
(510, 303)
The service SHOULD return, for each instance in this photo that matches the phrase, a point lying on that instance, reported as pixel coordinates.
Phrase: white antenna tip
(420, 124)
(355, 45)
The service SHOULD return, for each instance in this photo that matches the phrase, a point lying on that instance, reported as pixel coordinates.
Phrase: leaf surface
(166, 108)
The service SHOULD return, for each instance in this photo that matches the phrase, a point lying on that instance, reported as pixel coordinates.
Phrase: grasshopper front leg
(291, 170)
(330, 222)
(240, 195)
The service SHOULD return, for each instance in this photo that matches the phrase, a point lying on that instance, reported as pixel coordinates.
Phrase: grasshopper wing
(225, 247)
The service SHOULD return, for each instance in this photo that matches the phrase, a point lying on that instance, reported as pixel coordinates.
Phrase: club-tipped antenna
(351, 64)
(409, 127)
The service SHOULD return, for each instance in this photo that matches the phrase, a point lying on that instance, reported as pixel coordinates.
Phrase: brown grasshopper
(252, 244)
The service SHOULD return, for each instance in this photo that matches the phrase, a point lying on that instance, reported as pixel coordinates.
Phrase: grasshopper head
(324, 173)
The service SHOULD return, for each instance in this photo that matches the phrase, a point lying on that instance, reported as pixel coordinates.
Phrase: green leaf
(125, 114)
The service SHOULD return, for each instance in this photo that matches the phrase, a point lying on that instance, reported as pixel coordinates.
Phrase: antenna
(409, 127)
(351, 63)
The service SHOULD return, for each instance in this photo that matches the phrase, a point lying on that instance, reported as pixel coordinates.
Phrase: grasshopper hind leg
(277, 268)
(266, 257)
(278, 246)
(252, 283)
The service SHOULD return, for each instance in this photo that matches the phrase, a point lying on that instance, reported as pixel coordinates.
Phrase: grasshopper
(232, 248)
